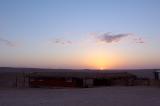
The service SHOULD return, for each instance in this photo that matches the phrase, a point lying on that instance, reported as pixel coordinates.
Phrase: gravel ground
(104, 96)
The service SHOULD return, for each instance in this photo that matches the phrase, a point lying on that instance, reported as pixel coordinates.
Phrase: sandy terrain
(105, 96)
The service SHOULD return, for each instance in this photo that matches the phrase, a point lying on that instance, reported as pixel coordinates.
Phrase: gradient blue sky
(64, 33)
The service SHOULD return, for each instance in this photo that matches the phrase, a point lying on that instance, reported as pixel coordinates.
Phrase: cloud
(139, 40)
(7, 42)
(61, 41)
(109, 37)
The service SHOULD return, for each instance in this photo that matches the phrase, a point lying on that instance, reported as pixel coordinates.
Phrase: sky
(80, 34)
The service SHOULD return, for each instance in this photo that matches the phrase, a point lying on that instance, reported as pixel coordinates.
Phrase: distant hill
(144, 73)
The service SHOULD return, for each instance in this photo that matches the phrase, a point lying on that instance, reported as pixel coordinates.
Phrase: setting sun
(101, 68)
(98, 60)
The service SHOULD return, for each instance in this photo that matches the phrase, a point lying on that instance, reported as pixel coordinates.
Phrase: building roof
(81, 74)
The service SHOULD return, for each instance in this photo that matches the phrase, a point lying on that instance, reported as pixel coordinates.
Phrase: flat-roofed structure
(157, 74)
(77, 79)
(28, 77)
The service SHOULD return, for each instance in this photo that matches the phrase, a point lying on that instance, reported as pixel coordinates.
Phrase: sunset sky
(80, 34)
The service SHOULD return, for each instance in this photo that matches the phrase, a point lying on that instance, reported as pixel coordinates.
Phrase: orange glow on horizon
(100, 60)
(101, 68)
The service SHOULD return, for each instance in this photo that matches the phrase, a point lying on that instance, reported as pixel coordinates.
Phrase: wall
(13, 80)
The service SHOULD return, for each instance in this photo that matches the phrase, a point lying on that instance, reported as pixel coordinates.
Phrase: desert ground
(103, 96)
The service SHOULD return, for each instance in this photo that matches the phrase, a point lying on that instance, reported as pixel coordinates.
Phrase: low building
(55, 78)
(14, 80)
(78, 79)
(157, 75)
